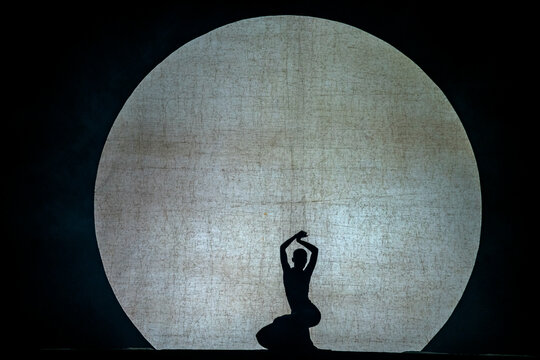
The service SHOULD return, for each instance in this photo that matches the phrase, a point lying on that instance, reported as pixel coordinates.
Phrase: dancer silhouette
(291, 332)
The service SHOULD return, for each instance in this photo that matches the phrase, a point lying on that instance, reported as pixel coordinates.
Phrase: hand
(301, 234)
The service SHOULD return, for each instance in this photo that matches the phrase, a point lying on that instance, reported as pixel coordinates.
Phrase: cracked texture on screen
(267, 126)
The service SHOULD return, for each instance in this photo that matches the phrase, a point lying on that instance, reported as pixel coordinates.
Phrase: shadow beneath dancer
(291, 332)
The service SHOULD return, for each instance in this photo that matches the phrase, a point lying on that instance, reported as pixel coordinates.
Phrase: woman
(291, 332)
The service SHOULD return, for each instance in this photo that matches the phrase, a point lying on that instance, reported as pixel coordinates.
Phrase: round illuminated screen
(272, 125)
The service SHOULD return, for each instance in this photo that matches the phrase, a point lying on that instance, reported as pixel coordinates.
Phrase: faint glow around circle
(272, 125)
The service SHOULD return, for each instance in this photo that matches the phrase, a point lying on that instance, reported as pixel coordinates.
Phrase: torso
(296, 284)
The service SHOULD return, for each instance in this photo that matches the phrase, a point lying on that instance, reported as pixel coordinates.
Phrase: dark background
(69, 71)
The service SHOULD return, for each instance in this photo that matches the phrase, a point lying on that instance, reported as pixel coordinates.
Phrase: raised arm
(314, 253)
(283, 254)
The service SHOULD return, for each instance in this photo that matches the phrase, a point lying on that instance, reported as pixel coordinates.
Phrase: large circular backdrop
(272, 125)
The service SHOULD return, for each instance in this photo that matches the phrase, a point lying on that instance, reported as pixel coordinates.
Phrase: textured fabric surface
(272, 125)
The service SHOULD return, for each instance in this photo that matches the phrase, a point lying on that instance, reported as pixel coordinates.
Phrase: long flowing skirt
(291, 332)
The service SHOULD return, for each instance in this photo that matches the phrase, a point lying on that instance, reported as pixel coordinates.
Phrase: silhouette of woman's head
(299, 258)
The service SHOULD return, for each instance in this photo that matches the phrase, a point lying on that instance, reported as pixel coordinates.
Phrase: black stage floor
(263, 354)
